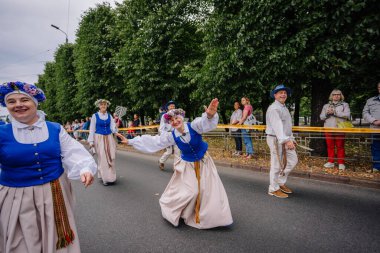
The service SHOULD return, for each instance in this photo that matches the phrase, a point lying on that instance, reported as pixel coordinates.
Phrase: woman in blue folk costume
(37, 158)
(101, 138)
(195, 192)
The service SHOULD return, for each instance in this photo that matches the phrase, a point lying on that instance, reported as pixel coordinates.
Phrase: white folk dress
(105, 147)
(26, 213)
(179, 198)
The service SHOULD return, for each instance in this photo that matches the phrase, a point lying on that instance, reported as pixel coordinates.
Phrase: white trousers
(275, 179)
(168, 152)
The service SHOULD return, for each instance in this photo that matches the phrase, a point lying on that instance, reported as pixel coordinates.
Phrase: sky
(27, 40)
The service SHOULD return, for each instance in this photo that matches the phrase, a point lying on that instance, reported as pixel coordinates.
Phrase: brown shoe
(285, 189)
(161, 166)
(278, 194)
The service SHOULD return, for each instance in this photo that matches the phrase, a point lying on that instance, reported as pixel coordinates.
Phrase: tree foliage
(143, 53)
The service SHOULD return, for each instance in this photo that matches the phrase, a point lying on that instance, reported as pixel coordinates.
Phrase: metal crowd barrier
(221, 141)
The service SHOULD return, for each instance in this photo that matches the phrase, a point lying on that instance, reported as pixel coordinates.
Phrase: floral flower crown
(97, 102)
(172, 113)
(29, 89)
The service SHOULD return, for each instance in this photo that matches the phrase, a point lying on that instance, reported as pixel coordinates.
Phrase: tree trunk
(297, 102)
(265, 102)
(320, 90)
(224, 118)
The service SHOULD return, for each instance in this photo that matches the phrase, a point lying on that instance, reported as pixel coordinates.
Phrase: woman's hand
(122, 137)
(212, 108)
(87, 178)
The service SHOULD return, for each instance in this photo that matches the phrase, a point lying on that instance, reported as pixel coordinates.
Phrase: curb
(374, 184)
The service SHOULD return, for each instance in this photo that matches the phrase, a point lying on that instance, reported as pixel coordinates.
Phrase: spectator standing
(76, 127)
(245, 132)
(136, 123)
(335, 111)
(371, 113)
(236, 133)
(86, 126)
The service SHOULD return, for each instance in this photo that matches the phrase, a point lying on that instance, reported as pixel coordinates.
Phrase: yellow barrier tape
(262, 128)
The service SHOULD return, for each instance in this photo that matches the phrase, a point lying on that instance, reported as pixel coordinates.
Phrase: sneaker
(342, 167)
(375, 170)
(329, 165)
(248, 157)
(161, 166)
(285, 189)
(279, 194)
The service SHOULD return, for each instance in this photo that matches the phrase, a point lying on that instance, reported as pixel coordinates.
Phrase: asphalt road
(318, 217)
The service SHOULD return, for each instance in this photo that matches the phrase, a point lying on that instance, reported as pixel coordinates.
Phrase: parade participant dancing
(195, 192)
(165, 126)
(37, 158)
(101, 138)
(283, 156)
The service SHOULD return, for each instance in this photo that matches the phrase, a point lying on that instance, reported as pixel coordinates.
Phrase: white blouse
(102, 116)
(75, 158)
(154, 143)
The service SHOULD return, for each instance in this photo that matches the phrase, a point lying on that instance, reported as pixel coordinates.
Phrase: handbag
(345, 124)
(250, 120)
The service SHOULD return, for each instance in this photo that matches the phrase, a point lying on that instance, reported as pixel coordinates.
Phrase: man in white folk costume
(283, 156)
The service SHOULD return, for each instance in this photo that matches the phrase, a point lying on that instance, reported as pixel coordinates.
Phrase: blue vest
(193, 151)
(24, 165)
(103, 127)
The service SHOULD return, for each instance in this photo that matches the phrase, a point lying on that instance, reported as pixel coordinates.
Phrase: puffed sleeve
(75, 158)
(323, 115)
(345, 112)
(90, 138)
(152, 143)
(203, 124)
(113, 125)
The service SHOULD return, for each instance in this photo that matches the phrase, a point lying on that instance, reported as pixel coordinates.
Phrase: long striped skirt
(27, 223)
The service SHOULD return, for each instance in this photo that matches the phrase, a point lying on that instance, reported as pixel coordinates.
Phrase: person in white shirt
(235, 132)
(37, 158)
(166, 127)
(101, 138)
(195, 192)
(280, 140)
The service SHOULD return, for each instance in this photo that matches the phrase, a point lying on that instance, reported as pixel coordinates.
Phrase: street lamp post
(56, 27)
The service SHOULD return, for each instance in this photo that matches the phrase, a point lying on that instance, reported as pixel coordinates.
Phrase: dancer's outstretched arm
(149, 143)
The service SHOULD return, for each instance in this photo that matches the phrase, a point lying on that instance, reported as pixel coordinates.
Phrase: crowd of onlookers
(84, 124)
(335, 113)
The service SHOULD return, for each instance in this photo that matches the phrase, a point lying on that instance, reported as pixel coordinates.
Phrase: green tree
(161, 40)
(47, 82)
(93, 58)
